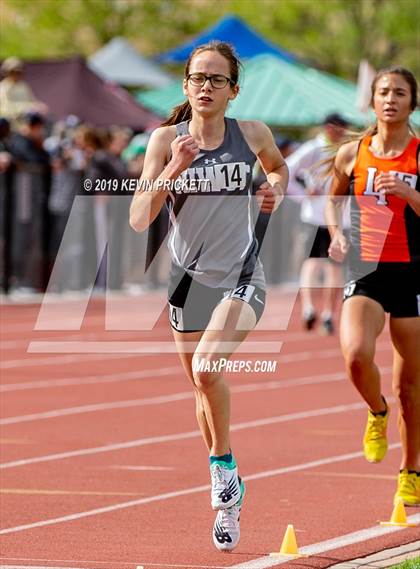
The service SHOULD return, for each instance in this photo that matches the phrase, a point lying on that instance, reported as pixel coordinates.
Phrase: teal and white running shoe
(225, 488)
(226, 528)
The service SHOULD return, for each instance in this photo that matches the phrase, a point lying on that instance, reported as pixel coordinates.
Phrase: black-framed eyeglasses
(217, 81)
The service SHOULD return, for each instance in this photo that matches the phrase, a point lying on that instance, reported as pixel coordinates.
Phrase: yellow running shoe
(408, 488)
(375, 444)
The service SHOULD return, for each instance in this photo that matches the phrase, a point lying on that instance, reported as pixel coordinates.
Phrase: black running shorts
(396, 286)
(191, 304)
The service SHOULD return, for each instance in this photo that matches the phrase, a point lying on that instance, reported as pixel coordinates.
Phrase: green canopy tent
(280, 94)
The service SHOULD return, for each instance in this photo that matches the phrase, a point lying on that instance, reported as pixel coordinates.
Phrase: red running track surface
(102, 465)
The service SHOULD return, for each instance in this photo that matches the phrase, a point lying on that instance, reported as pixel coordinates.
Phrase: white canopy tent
(120, 62)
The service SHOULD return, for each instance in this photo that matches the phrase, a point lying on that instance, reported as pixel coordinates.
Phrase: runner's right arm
(151, 195)
(343, 166)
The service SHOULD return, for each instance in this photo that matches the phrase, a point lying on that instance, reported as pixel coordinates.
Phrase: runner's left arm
(271, 193)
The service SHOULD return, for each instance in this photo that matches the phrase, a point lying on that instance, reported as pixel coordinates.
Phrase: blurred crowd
(55, 233)
(42, 171)
(43, 166)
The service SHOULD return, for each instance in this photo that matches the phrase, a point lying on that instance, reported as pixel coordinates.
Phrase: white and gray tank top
(212, 235)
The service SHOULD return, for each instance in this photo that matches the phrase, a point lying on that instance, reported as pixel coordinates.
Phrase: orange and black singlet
(385, 229)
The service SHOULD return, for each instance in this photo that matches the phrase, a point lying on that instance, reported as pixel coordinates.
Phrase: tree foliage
(331, 34)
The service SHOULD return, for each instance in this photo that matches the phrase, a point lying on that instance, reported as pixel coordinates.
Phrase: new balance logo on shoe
(225, 491)
(231, 491)
(221, 535)
(226, 528)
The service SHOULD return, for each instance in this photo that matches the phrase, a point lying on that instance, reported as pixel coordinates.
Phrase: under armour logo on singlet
(210, 161)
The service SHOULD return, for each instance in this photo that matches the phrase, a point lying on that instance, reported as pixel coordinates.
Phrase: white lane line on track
(391, 556)
(158, 400)
(166, 398)
(30, 325)
(169, 347)
(13, 345)
(35, 567)
(143, 468)
(59, 360)
(324, 354)
(188, 491)
(324, 546)
(144, 347)
(261, 563)
(125, 376)
(91, 379)
(187, 435)
(375, 557)
(145, 565)
(22, 345)
(179, 396)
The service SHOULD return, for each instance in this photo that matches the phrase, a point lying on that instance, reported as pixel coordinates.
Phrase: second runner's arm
(334, 209)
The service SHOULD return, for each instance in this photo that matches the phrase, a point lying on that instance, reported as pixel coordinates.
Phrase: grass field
(410, 564)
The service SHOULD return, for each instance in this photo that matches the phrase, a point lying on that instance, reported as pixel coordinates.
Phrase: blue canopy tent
(246, 41)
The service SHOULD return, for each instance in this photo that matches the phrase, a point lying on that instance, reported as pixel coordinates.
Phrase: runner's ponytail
(179, 114)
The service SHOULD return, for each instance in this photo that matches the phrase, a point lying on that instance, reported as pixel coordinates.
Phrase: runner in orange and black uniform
(380, 171)
(385, 233)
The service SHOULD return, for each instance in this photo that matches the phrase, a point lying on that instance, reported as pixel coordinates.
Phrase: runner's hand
(184, 150)
(338, 247)
(388, 184)
(269, 197)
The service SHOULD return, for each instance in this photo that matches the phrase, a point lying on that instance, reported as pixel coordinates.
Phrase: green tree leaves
(331, 34)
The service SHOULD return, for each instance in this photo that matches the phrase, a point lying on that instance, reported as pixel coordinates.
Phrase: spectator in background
(134, 154)
(158, 230)
(118, 206)
(94, 142)
(285, 145)
(16, 96)
(31, 184)
(104, 150)
(71, 152)
(5, 156)
(136, 259)
(5, 202)
(68, 164)
(306, 177)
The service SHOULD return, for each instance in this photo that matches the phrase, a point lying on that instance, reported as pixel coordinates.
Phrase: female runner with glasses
(216, 288)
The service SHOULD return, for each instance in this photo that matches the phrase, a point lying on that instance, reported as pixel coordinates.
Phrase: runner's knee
(407, 391)
(207, 371)
(358, 358)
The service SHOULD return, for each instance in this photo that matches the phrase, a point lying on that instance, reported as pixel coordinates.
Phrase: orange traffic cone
(289, 545)
(398, 517)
